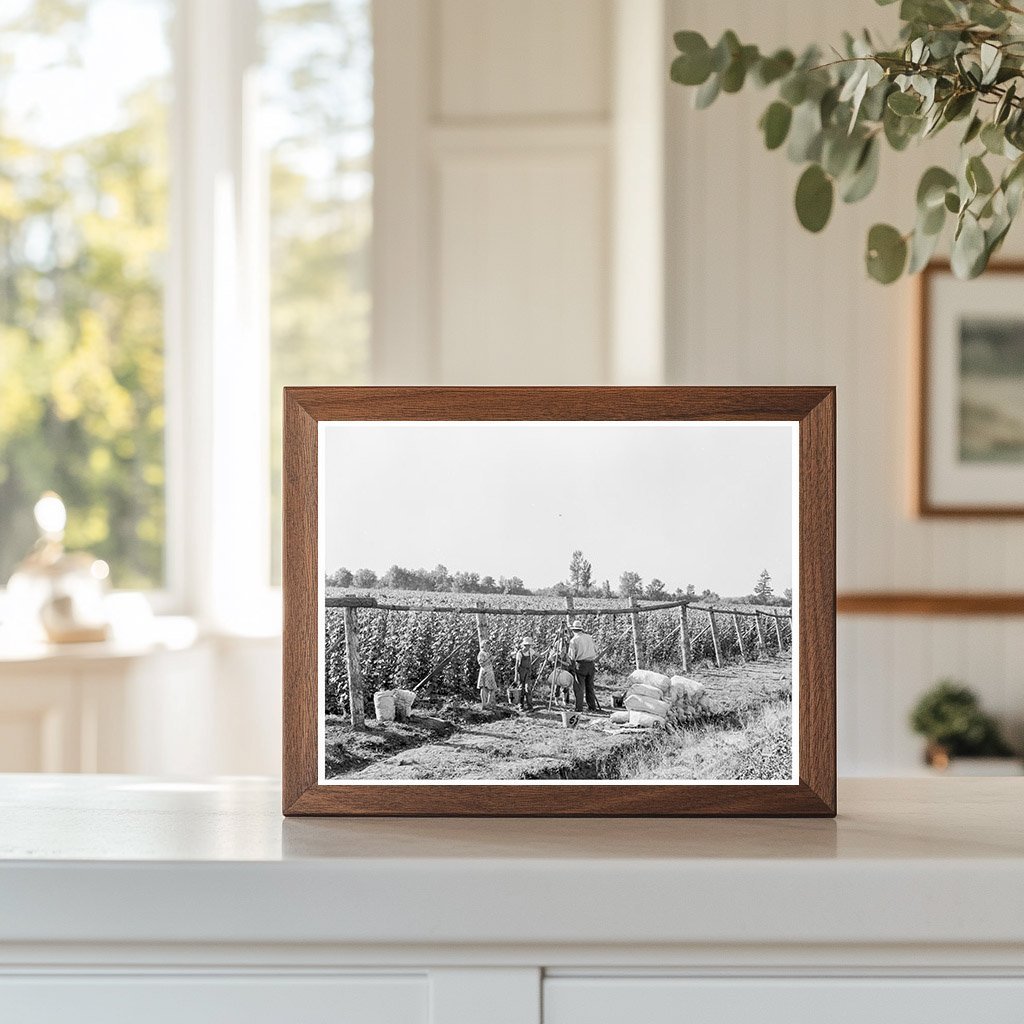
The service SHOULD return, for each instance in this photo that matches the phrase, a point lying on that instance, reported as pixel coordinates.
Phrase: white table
(125, 896)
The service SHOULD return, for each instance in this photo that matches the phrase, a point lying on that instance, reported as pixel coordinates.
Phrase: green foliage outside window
(83, 217)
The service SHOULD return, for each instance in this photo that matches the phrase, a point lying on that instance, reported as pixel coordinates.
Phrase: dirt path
(533, 745)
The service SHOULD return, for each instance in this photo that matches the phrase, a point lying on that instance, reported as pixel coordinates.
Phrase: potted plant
(950, 718)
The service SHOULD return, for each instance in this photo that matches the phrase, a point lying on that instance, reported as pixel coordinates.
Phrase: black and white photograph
(558, 602)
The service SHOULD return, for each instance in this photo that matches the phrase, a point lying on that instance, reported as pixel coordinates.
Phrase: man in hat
(524, 673)
(582, 656)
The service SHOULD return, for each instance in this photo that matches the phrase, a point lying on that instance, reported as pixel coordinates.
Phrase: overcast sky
(703, 503)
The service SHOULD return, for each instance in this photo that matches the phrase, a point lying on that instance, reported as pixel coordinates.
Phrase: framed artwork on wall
(970, 419)
(559, 601)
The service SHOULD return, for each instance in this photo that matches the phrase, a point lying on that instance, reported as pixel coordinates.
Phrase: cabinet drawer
(202, 999)
(674, 1000)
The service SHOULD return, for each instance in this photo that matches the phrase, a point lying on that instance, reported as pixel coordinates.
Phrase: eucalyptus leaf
(968, 248)
(735, 74)
(724, 51)
(1005, 105)
(973, 130)
(922, 248)
(688, 69)
(805, 133)
(957, 106)
(886, 253)
(865, 173)
(931, 190)
(987, 15)
(794, 88)
(775, 124)
(814, 195)
(993, 138)
(840, 152)
(904, 103)
(978, 176)
(707, 93)
(771, 69)
(991, 60)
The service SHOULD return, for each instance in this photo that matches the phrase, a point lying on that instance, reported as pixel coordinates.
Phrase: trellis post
(714, 637)
(355, 676)
(684, 638)
(482, 635)
(778, 630)
(739, 635)
(760, 632)
(634, 618)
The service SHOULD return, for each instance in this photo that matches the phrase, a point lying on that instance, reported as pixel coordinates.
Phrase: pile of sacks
(389, 705)
(654, 700)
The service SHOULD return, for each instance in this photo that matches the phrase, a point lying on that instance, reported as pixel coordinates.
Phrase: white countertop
(121, 859)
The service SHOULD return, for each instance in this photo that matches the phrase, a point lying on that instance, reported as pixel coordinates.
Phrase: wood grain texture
(299, 597)
(926, 603)
(923, 504)
(814, 410)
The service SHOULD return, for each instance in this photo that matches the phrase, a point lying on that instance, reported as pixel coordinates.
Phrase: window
(145, 182)
(83, 235)
(317, 88)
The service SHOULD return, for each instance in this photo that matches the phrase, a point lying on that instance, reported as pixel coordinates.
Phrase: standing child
(524, 673)
(486, 683)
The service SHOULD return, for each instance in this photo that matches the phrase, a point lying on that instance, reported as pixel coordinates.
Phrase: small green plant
(950, 717)
(956, 61)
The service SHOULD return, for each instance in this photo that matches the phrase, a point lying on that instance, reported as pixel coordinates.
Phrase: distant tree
(439, 578)
(339, 578)
(763, 593)
(710, 595)
(606, 589)
(561, 589)
(365, 578)
(512, 585)
(691, 590)
(655, 590)
(488, 585)
(466, 582)
(788, 594)
(400, 578)
(581, 573)
(630, 584)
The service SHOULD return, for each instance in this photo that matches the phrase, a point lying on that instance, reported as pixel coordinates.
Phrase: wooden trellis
(349, 605)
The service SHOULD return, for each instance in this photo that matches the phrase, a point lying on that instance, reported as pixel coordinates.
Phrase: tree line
(579, 583)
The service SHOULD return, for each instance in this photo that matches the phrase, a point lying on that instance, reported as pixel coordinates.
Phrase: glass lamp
(55, 595)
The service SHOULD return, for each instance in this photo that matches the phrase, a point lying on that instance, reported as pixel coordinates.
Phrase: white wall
(754, 299)
(518, 239)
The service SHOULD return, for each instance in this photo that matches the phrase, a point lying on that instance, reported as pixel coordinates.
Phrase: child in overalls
(486, 683)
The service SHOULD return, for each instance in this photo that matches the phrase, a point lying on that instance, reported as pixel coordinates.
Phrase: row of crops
(402, 648)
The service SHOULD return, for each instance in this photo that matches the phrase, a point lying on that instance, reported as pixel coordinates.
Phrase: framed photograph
(970, 444)
(559, 601)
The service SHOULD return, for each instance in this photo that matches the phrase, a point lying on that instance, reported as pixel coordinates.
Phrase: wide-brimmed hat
(526, 642)
(578, 625)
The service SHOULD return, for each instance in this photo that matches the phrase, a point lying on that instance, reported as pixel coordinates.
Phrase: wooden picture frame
(812, 409)
(925, 502)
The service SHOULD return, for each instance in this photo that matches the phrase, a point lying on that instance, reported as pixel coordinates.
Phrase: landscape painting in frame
(972, 393)
(558, 602)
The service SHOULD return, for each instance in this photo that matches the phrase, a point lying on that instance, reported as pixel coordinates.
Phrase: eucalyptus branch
(954, 60)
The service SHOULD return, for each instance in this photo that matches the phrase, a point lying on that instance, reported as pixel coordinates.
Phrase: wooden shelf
(928, 603)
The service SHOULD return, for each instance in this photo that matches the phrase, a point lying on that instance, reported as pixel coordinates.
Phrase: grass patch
(755, 745)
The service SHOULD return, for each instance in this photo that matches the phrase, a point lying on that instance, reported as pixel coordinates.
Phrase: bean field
(401, 649)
